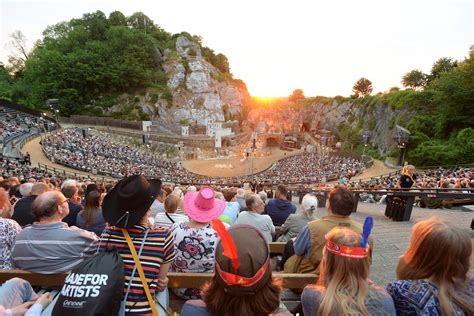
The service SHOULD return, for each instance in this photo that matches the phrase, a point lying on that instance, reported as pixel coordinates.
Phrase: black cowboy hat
(129, 200)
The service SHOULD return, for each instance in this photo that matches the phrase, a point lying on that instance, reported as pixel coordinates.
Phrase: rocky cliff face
(378, 121)
(200, 91)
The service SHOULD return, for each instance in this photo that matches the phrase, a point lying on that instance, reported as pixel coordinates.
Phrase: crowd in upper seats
(101, 154)
(446, 178)
(17, 123)
(456, 179)
(187, 229)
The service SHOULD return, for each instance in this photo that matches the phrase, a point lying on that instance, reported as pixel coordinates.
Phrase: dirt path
(376, 170)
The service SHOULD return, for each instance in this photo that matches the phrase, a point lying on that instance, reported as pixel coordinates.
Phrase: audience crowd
(13, 123)
(102, 155)
(189, 234)
(50, 224)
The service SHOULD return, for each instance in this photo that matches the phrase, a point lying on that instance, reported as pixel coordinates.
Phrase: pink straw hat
(202, 206)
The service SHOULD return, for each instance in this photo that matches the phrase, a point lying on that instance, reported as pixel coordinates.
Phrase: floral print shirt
(8, 231)
(195, 252)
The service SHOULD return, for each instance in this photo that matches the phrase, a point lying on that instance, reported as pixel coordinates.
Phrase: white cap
(309, 200)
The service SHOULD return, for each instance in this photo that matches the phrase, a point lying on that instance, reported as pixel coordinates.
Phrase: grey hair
(69, 183)
(251, 201)
(218, 195)
(240, 192)
(46, 204)
(25, 189)
(263, 195)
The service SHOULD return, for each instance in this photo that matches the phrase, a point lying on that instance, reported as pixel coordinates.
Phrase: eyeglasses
(62, 202)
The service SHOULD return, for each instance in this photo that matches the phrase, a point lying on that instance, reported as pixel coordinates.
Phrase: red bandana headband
(230, 251)
(234, 279)
(347, 251)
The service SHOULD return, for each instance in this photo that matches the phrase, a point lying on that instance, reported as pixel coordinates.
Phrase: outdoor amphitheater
(46, 150)
(236, 159)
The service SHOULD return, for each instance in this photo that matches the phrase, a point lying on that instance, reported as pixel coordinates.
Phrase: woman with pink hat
(196, 240)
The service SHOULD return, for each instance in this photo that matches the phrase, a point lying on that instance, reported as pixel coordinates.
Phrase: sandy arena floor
(234, 166)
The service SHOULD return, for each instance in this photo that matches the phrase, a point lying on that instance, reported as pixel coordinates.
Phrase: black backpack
(94, 287)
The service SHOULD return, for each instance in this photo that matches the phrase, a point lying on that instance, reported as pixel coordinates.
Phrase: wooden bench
(277, 248)
(176, 279)
(450, 202)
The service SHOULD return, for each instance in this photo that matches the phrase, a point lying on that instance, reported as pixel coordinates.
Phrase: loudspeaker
(84, 134)
(143, 139)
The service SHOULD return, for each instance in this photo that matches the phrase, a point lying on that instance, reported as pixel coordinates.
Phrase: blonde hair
(171, 203)
(448, 268)
(342, 280)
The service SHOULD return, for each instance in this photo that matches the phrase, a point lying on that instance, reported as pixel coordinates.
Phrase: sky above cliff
(322, 47)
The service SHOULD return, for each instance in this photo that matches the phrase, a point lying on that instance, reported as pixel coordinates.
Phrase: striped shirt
(158, 249)
(52, 248)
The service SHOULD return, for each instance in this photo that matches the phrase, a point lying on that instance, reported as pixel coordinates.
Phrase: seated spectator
(308, 246)
(254, 217)
(158, 204)
(196, 240)
(25, 189)
(127, 206)
(5, 205)
(71, 191)
(18, 298)
(295, 223)
(256, 293)
(280, 208)
(170, 217)
(49, 246)
(8, 231)
(240, 198)
(91, 218)
(343, 287)
(433, 272)
(232, 207)
(263, 195)
(22, 211)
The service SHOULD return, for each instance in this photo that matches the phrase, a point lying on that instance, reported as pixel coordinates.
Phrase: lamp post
(365, 139)
(402, 138)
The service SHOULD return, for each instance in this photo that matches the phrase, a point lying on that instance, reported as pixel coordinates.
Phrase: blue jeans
(16, 291)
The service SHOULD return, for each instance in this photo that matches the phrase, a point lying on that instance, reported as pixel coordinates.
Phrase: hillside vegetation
(87, 63)
(437, 109)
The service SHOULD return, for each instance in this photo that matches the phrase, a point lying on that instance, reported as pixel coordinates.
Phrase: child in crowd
(170, 217)
(243, 283)
(343, 287)
(433, 272)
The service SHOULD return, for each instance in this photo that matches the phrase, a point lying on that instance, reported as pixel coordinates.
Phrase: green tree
(362, 87)
(117, 18)
(222, 63)
(453, 97)
(6, 82)
(18, 53)
(95, 24)
(442, 65)
(141, 22)
(297, 94)
(414, 79)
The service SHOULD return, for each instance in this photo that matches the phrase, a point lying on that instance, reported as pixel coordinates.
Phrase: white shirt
(162, 220)
(261, 222)
(157, 207)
